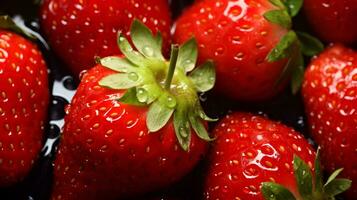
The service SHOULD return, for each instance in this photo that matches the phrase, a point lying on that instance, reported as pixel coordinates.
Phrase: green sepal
(310, 46)
(145, 42)
(132, 55)
(120, 81)
(158, 39)
(130, 98)
(333, 176)
(297, 76)
(280, 17)
(7, 23)
(293, 6)
(158, 115)
(284, 48)
(274, 191)
(182, 128)
(187, 56)
(303, 178)
(318, 173)
(203, 115)
(277, 3)
(337, 186)
(199, 128)
(204, 77)
(117, 64)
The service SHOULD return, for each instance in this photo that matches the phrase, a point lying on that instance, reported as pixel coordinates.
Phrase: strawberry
(128, 128)
(24, 98)
(251, 43)
(79, 30)
(330, 97)
(255, 158)
(333, 20)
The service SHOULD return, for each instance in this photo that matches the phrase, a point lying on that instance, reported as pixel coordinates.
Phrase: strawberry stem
(172, 67)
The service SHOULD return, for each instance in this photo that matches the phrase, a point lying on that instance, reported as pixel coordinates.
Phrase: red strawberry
(330, 96)
(250, 41)
(119, 138)
(79, 30)
(333, 20)
(251, 151)
(24, 97)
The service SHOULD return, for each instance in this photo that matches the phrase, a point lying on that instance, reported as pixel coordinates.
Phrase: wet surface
(37, 186)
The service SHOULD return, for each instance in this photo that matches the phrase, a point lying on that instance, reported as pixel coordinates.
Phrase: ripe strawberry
(119, 139)
(333, 20)
(251, 43)
(330, 96)
(79, 30)
(252, 150)
(24, 97)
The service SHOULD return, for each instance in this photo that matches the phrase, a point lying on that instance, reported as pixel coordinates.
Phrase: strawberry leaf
(204, 77)
(277, 3)
(132, 55)
(158, 115)
(117, 64)
(310, 45)
(333, 176)
(273, 191)
(297, 74)
(182, 128)
(187, 56)
(120, 81)
(280, 17)
(303, 177)
(199, 128)
(203, 115)
(7, 23)
(318, 173)
(293, 6)
(145, 42)
(130, 98)
(337, 186)
(284, 48)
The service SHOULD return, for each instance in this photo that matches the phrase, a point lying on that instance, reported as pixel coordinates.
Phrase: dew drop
(203, 97)
(147, 50)
(171, 102)
(183, 132)
(142, 95)
(133, 76)
(81, 74)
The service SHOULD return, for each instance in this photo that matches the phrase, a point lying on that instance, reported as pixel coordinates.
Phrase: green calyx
(169, 88)
(7, 23)
(293, 45)
(308, 188)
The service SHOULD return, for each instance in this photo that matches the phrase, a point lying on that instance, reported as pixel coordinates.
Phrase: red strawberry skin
(250, 150)
(79, 30)
(333, 20)
(24, 98)
(238, 38)
(330, 96)
(106, 151)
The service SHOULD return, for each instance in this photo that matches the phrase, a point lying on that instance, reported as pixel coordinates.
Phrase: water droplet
(171, 102)
(81, 74)
(203, 97)
(133, 76)
(148, 51)
(142, 95)
(183, 132)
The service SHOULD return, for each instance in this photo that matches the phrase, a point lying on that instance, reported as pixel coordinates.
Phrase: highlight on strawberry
(135, 124)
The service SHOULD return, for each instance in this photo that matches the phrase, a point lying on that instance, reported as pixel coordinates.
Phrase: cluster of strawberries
(136, 125)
